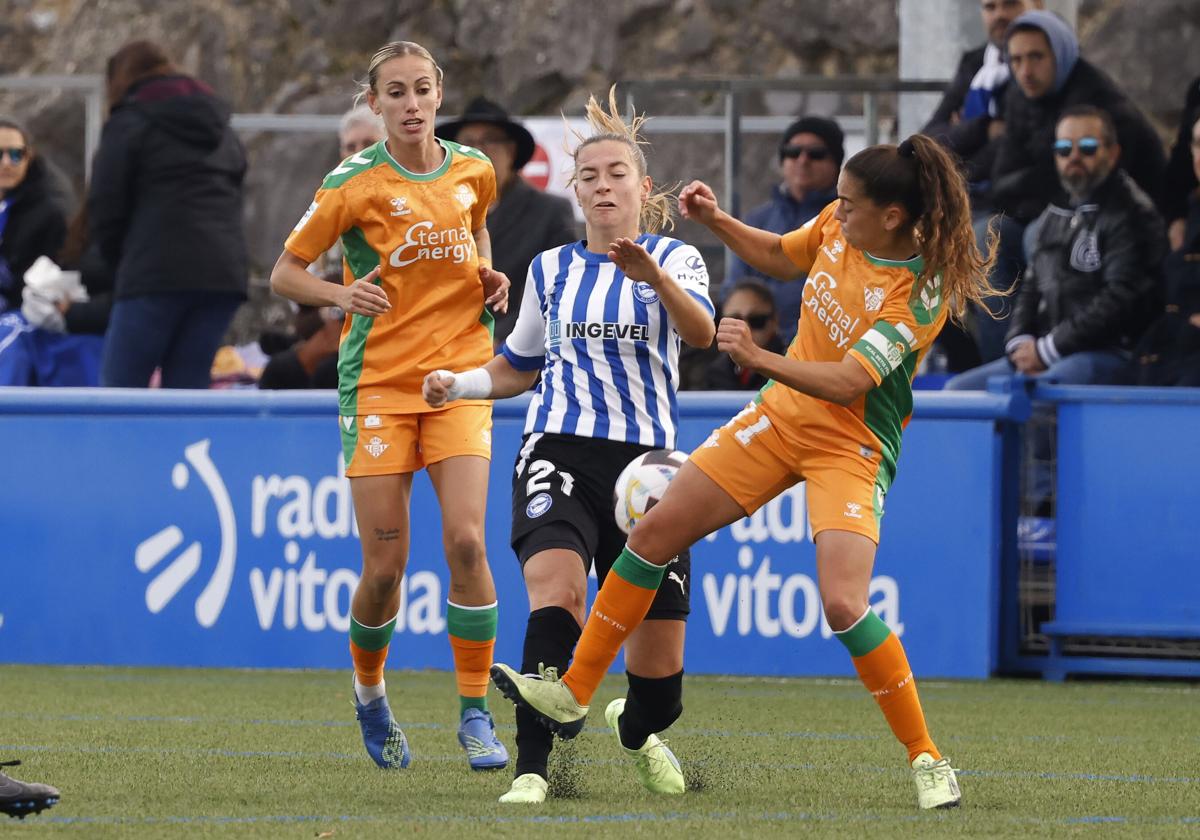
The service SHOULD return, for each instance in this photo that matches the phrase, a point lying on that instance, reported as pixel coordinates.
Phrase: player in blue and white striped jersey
(608, 348)
(602, 321)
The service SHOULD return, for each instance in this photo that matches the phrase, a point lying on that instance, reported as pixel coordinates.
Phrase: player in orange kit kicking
(410, 212)
(886, 264)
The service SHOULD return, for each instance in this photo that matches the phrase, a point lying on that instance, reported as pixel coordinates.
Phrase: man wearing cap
(810, 157)
(524, 221)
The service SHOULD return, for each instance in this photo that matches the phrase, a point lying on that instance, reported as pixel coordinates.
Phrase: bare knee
(653, 540)
(841, 611)
(465, 550)
(378, 585)
(556, 578)
(558, 594)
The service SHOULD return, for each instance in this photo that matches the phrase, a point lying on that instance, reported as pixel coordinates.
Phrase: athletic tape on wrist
(473, 384)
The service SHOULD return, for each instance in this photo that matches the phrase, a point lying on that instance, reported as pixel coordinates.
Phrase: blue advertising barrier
(215, 529)
(1127, 498)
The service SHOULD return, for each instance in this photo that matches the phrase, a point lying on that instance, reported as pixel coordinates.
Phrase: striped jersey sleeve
(686, 267)
(525, 347)
(911, 318)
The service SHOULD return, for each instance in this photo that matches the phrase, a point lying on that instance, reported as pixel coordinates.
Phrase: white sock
(367, 693)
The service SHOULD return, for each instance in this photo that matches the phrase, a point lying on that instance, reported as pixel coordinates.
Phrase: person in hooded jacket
(1051, 76)
(1048, 77)
(165, 207)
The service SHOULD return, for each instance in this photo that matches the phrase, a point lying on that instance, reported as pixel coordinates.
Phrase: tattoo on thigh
(387, 534)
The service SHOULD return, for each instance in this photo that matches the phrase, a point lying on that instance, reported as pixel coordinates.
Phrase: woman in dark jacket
(32, 224)
(165, 206)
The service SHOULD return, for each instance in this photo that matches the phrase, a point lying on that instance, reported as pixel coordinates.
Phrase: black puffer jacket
(966, 138)
(1024, 179)
(1095, 281)
(36, 227)
(165, 204)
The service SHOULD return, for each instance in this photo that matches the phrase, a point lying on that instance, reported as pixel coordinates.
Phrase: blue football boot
(383, 737)
(477, 734)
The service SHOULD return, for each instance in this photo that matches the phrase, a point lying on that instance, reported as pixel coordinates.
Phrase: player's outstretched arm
(761, 249)
(494, 381)
(691, 320)
(836, 382)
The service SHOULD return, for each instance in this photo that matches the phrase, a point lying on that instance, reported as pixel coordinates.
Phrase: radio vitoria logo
(169, 579)
(296, 592)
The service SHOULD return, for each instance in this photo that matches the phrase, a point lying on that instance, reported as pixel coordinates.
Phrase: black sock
(651, 705)
(550, 637)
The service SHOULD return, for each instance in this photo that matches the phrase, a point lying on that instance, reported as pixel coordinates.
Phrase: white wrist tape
(469, 385)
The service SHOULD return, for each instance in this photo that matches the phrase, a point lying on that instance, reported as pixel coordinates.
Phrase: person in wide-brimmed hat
(524, 221)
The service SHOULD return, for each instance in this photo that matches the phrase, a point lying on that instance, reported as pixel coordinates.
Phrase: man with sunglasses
(1048, 76)
(810, 157)
(1094, 280)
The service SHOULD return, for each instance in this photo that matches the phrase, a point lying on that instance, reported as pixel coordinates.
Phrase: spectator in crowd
(523, 221)
(810, 157)
(1049, 77)
(1170, 352)
(359, 129)
(752, 302)
(969, 119)
(1181, 180)
(32, 222)
(310, 362)
(1094, 280)
(165, 206)
(57, 338)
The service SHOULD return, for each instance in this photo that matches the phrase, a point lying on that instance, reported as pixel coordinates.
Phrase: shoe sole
(23, 808)
(565, 731)
(487, 768)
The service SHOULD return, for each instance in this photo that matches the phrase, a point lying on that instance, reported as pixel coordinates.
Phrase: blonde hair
(395, 49)
(657, 211)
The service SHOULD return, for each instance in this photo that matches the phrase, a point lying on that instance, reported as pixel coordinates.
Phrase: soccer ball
(642, 483)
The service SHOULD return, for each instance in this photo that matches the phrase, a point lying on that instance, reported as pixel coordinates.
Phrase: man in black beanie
(810, 157)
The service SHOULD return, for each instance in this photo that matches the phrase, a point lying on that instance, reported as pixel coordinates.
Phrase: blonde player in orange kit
(886, 264)
(410, 213)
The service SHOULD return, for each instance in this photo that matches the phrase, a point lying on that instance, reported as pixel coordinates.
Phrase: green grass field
(174, 753)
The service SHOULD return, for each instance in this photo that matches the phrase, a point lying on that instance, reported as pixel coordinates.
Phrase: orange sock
(883, 668)
(369, 649)
(368, 664)
(472, 633)
(620, 606)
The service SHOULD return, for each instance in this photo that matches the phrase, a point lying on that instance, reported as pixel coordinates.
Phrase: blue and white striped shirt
(608, 353)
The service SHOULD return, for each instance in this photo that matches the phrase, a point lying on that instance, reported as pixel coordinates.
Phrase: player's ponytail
(657, 212)
(923, 178)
